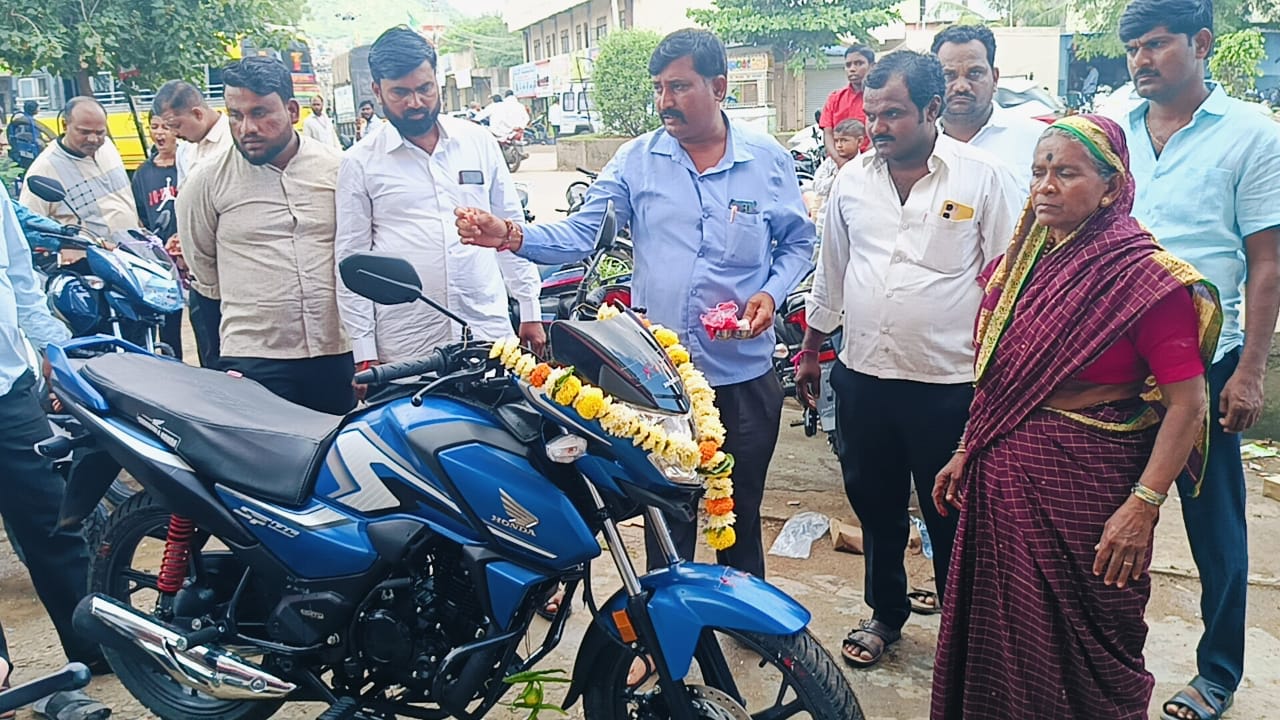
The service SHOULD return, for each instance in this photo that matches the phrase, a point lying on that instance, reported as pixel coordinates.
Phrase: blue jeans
(1219, 543)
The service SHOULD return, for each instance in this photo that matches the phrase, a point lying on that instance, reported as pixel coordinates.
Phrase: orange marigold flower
(720, 506)
(539, 375)
(707, 449)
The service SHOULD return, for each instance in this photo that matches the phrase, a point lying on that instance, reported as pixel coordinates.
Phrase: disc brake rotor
(714, 704)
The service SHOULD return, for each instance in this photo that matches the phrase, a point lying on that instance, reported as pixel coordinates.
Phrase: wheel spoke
(778, 712)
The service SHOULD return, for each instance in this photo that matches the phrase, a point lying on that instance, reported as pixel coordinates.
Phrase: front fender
(685, 599)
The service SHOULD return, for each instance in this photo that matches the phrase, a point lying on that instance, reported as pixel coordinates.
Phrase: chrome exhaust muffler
(213, 671)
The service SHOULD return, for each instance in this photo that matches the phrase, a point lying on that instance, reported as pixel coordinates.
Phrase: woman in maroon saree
(1064, 463)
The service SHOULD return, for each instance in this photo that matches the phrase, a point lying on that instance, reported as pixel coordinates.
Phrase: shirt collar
(392, 140)
(218, 132)
(735, 150)
(1218, 103)
(944, 152)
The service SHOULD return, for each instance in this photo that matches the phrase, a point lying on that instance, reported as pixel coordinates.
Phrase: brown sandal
(859, 640)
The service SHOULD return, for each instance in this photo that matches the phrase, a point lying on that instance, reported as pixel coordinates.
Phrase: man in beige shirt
(204, 135)
(89, 167)
(257, 231)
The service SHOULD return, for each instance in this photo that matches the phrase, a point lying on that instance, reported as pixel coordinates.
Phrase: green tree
(796, 30)
(144, 42)
(487, 35)
(1102, 20)
(623, 88)
(1235, 60)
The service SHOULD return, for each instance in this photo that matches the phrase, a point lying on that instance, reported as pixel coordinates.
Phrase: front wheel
(513, 157)
(736, 675)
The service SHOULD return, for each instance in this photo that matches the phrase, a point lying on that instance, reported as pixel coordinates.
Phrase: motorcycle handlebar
(379, 374)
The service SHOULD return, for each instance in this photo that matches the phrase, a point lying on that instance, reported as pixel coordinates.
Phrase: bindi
(1050, 157)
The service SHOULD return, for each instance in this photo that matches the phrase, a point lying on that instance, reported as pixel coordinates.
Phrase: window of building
(602, 29)
(550, 45)
(578, 32)
(564, 42)
(537, 49)
(622, 19)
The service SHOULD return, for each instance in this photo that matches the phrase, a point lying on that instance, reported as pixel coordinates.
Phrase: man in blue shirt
(716, 215)
(1207, 169)
(30, 492)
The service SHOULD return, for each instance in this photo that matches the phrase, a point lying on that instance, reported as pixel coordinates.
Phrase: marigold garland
(702, 453)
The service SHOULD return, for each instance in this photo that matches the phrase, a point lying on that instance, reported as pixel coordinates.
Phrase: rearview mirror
(46, 188)
(608, 230)
(384, 279)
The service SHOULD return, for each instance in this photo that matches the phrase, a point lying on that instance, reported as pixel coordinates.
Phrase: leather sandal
(1217, 700)
(858, 641)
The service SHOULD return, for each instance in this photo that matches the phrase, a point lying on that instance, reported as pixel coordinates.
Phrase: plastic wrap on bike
(379, 374)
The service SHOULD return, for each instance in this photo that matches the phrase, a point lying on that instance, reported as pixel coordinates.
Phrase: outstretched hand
(478, 227)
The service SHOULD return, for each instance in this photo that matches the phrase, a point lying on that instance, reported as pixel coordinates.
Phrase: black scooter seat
(230, 430)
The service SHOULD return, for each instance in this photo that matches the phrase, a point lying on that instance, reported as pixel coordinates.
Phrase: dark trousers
(206, 320)
(171, 332)
(751, 412)
(30, 499)
(322, 384)
(890, 433)
(1219, 543)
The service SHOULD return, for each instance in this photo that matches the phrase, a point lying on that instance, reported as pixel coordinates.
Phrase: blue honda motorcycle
(389, 563)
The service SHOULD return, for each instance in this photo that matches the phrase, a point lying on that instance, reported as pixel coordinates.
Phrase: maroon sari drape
(1027, 630)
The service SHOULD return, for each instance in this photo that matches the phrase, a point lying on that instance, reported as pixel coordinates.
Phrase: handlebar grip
(379, 374)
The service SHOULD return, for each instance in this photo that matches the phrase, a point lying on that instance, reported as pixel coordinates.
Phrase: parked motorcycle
(789, 326)
(513, 149)
(576, 193)
(522, 190)
(390, 563)
(124, 286)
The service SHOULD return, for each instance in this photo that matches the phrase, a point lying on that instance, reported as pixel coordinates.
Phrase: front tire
(806, 682)
(513, 156)
(124, 566)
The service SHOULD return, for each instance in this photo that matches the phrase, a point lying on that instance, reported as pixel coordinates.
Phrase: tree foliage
(1102, 20)
(487, 35)
(149, 40)
(623, 88)
(797, 30)
(1235, 60)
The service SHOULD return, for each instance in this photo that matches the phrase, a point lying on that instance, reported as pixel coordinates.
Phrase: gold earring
(1106, 202)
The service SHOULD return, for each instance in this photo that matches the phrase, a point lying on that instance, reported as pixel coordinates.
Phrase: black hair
(365, 104)
(964, 34)
(77, 101)
(862, 50)
(709, 59)
(176, 95)
(31, 107)
(1183, 17)
(496, 98)
(398, 52)
(260, 75)
(922, 74)
(509, 93)
(850, 126)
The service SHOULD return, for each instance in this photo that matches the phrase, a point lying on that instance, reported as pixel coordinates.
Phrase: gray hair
(1105, 171)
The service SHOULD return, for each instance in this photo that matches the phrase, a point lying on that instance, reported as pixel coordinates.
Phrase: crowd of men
(263, 214)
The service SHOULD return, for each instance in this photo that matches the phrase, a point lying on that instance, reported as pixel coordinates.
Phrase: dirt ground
(804, 477)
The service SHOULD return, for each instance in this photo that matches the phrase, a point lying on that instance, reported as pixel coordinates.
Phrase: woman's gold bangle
(1147, 495)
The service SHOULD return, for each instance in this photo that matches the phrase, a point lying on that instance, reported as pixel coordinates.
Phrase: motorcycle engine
(407, 626)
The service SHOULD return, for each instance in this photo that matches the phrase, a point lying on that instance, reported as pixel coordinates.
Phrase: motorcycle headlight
(675, 426)
(162, 294)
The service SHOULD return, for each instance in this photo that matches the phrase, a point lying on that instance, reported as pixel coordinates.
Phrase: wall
(664, 16)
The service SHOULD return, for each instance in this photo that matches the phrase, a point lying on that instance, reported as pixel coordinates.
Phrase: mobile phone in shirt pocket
(746, 240)
(949, 245)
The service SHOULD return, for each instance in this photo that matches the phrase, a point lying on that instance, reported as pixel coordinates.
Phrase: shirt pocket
(746, 240)
(949, 246)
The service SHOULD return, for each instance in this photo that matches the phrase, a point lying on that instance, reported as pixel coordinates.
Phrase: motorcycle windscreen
(621, 357)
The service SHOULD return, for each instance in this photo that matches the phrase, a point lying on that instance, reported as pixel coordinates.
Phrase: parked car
(1025, 98)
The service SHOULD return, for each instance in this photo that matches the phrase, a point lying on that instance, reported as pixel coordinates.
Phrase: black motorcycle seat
(231, 430)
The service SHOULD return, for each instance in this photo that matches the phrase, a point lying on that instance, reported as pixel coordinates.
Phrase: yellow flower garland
(702, 453)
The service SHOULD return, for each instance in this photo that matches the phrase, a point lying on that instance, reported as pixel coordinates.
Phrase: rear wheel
(736, 675)
(125, 565)
(513, 156)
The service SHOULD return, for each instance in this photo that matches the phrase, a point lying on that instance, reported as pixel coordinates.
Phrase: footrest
(345, 708)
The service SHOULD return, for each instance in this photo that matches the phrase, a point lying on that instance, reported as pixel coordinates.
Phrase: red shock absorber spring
(177, 551)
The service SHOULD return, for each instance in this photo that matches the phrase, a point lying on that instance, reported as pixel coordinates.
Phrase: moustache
(882, 138)
(672, 115)
(1146, 74)
(960, 96)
